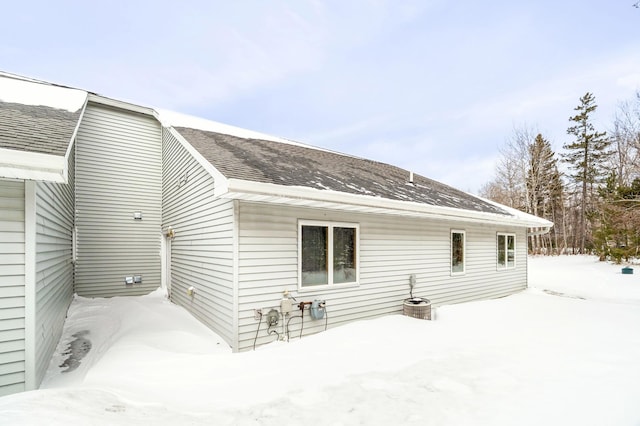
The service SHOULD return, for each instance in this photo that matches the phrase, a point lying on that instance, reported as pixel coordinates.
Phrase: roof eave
(311, 197)
(32, 166)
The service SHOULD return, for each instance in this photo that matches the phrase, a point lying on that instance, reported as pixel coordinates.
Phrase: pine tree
(544, 187)
(586, 156)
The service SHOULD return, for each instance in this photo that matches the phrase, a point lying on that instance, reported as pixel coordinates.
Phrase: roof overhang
(327, 199)
(33, 166)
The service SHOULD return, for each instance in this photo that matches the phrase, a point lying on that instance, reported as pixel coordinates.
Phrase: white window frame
(506, 236)
(330, 225)
(464, 251)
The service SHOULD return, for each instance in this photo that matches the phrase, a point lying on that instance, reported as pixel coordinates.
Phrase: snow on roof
(175, 119)
(25, 91)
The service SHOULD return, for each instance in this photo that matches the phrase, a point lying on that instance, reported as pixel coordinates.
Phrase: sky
(436, 87)
(567, 355)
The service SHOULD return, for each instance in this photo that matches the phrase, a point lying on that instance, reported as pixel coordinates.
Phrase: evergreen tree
(586, 156)
(544, 189)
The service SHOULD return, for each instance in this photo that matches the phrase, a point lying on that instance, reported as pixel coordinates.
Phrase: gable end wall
(118, 172)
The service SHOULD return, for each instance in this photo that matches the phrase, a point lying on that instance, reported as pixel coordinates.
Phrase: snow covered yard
(566, 351)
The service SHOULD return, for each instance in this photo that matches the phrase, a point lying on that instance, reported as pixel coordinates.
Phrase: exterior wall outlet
(257, 314)
(191, 291)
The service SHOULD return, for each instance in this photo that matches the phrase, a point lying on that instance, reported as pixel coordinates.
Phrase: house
(104, 198)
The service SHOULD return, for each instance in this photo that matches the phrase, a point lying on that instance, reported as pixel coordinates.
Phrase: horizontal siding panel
(12, 324)
(11, 379)
(118, 168)
(13, 388)
(391, 249)
(54, 265)
(12, 269)
(11, 368)
(202, 250)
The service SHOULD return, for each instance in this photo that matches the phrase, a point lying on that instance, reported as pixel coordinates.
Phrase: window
(457, 252)
(506, 251)
(328, 253)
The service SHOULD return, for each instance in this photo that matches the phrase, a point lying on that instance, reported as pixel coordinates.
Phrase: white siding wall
(391, 248)
(12, 282)
(202, 250)
(118, 172)
(54, 267)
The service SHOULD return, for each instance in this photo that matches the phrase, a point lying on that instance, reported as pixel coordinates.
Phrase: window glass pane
(511, 251)
(314, 255)
(501, 251)
(457, 252)
(344, 255)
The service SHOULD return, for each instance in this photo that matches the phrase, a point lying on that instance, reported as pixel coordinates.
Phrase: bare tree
(625, 137)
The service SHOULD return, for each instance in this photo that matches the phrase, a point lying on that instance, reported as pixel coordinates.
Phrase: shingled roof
(36, 128)
(292, 164)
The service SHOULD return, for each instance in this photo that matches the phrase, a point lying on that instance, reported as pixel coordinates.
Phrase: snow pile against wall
(153, 363)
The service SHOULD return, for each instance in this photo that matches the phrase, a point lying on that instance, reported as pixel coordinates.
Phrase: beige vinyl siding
(391, 248)
(118, 172)
(54, 266)
(12, 285)
(202, 250)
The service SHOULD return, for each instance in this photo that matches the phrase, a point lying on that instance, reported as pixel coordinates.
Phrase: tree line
(590, 190)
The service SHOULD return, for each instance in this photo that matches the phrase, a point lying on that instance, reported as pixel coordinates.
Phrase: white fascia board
(73, 140)
(302, 196)
(221, 185)
(120, 104)
(32, 166)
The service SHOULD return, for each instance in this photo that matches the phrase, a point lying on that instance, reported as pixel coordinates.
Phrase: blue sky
(432, 86)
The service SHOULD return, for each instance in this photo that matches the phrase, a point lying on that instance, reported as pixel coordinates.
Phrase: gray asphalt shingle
(295, 165)
(40, 129)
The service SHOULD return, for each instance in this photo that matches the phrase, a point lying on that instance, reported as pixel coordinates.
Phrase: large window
(457, 252)
(328, 253)
(506, 251)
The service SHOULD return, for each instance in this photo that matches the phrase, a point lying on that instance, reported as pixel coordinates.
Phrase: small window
(506, 251)
(457, 252)
(328, 254)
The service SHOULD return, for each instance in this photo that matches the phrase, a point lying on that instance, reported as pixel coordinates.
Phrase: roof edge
(221, 183)
(33, 166)
(273, 193)
(103, 100)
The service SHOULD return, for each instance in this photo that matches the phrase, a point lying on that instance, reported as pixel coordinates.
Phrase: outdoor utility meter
(286, 305)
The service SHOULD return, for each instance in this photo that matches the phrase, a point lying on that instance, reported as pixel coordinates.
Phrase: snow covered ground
(566, 351)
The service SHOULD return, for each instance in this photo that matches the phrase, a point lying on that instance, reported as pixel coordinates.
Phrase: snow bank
(563, 352)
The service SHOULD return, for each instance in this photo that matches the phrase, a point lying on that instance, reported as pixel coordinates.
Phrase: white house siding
(391, 248)
(12, 284)
(202, 249)
(54, 267)
(118, 172)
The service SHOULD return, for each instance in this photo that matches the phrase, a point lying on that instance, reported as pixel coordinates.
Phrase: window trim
(329, 225)
(464, 251)
(506, 251)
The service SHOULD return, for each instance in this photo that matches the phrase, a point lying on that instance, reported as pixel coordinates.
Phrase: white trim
(72, 141)
(221, 185)
(506, 251)
(120, 104)
(464, 252)
(330, 225)
(32, 166)
(310, 197)
(30, 189)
